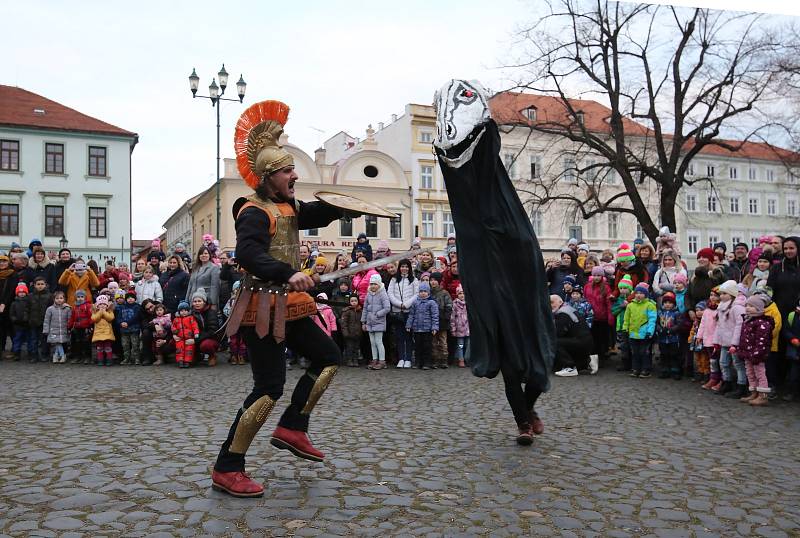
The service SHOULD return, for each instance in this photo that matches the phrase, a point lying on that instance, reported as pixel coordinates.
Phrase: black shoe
(726, 387)
(634, 373)
(676, 376)
(645, 374)
(426, 367)
(738, 392)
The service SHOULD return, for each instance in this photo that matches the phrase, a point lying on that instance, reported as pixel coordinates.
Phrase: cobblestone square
(126, 451)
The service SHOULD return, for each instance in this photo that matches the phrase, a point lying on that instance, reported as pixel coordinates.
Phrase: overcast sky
(340, 65)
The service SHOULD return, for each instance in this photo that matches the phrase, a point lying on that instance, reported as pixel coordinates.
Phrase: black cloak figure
(500, 263)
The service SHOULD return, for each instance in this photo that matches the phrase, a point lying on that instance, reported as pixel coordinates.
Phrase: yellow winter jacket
(772, 311)
(73, 283)
(103, 330)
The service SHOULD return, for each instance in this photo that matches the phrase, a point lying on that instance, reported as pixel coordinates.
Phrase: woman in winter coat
(205, 276)
(569, 266)
(7, 286)
(663, 280)
(403, 290)
(41, 265)
(208, 322)
(373, 319)
(598, 293)
(646, 257)
(56, 326)
(784, 277)
(174, 283)
(138, 270)
(63, 263)
(148, 287)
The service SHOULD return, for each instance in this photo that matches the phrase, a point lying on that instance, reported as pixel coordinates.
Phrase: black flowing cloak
(500, 267)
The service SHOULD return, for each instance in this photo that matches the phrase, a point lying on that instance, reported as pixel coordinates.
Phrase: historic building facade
(64, 176)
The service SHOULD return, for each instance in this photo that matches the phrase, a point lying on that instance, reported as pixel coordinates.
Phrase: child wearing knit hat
(423, 321)
(625, 288)
(579, 303)
(103, 336)
(19, 313)
(700, 355)
(373, 320)
(754, 348)
(730, 314)
(668, 332)
(640, 325)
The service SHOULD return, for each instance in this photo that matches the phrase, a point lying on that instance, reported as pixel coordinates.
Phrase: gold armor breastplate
(285, 243)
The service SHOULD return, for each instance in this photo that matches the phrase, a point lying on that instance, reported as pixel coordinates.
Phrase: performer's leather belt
(267, 306)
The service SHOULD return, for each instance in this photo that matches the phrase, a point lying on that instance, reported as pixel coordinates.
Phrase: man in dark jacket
(573, 337)
(741, 261)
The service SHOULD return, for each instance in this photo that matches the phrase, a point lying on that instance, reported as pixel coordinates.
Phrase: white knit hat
(729, 287)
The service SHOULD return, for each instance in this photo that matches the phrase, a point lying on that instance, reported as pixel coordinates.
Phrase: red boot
(536, 424)
(236, 483)
(296, 442)
(525, 437)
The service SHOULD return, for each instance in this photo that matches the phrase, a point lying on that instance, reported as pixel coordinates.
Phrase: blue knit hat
(424, 286)
(183, 305)
(571, 280)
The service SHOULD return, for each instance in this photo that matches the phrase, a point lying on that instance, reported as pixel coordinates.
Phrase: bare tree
(676, 81)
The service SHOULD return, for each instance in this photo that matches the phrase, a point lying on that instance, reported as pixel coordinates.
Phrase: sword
(347, 271)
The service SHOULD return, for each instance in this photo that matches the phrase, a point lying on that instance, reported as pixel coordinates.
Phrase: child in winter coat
(38, 300)
(80, 327)
(19, 314)
(699, 353)
(162, 334)
(445, 305)
(568, 284)
(351, 331)
(598, 293)
(459, 326)
(581, 305)
(103, 337)
(373, 320)
(56, 326)
(185, 332)
(325, 319)
(667, 331)
(625, 288)
(705, 337)
(423, 321)
(128, 319)
(754, 346)
(730, 314)
(640, 325)
(791, 333)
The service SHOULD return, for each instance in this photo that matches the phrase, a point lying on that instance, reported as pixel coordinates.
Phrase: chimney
(319, 156)
(394, 118)
(380, 126)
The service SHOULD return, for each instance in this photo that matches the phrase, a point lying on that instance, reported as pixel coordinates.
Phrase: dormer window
(530, 113)
(579, 116)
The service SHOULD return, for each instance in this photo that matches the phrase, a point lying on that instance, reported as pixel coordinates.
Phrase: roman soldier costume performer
(511, 325)
(272, 308)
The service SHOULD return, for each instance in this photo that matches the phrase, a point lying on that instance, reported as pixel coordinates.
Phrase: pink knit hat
(680, 277)
(598, 271)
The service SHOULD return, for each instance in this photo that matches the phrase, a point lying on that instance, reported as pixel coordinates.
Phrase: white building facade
(63, 176)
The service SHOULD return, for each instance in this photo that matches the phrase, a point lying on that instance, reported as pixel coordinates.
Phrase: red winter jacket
(185, 327)
(450, 282)
(599, 296)
(81, 317)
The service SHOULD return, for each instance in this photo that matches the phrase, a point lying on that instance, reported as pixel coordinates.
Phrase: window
(536, 222)
(736, 237)
(312, 232)
(569, 170)
(751, 175)
(426, 137)
(54, 220)
(54, 158)
(735, 203)
(371, 171)
(579, 116)
(530, 113)
(713, 237)
(536, 166)
(754, 240)
(791, 207)
(591, 227)
(733, 172)
(711, 170)
(613, 226)
(427, 224)
(639, 231)
(97, 162)
(509, 160)
(447, 224)
(691, 202)
(426, 177)
(752, 206)
(690, 170)
(9, 219)
(692, 240)
(371, 225)
(396, 227)
(772, 206)
(345, 228)
(97, 222)
(770, 175)
(611, 176)
(9, 155)
(711, 202)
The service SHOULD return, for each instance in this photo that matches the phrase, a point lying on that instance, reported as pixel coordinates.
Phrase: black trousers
(423, 349)
(147, 343)
(521, 399)
(670, 357)
(268, 363)
(573, 353)
(600, 334)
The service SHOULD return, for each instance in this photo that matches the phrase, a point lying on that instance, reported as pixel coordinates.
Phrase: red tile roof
(508, 108)
(19, 108)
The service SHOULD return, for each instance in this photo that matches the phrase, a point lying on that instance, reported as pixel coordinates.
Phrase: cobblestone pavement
(87, 451)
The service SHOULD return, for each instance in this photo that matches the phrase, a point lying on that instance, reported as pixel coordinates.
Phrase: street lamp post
(62, 243)
(215, 94)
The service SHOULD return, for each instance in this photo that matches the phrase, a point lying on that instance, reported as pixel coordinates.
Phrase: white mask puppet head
(461, 106)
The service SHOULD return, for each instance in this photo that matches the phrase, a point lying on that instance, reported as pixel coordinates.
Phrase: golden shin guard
(321, 383)
(250, 422)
